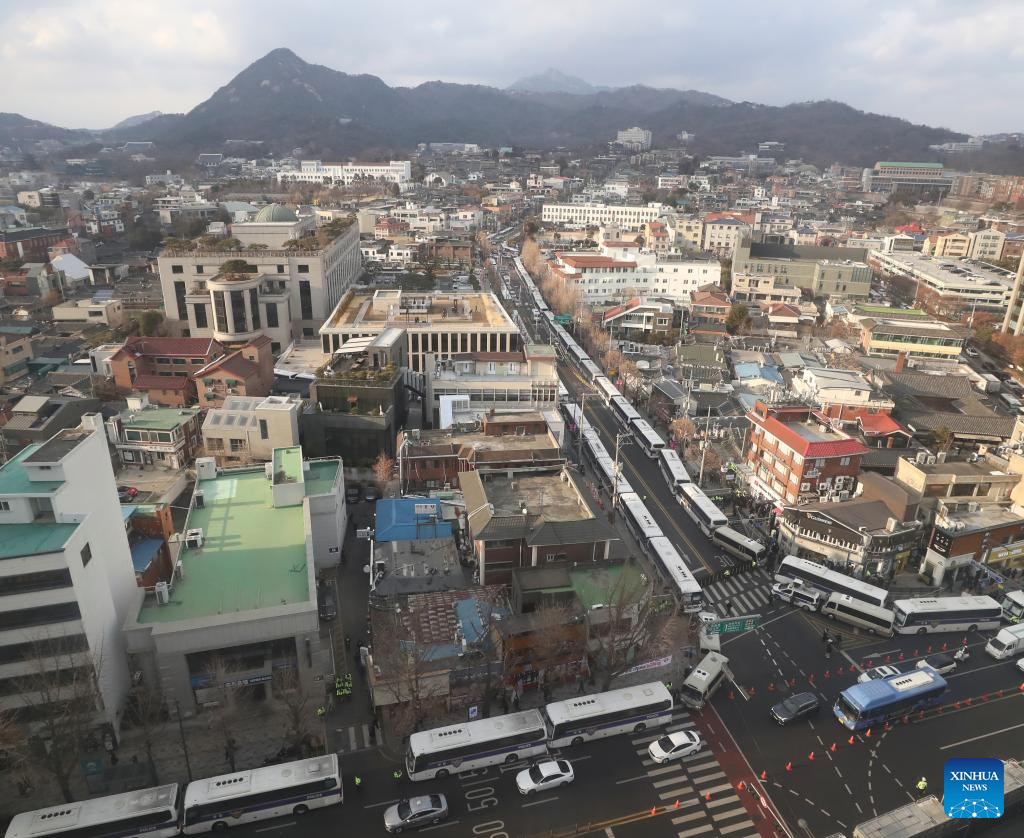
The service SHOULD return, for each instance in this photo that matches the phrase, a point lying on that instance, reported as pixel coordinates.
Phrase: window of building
(272, 315)
(177, 269)
(199, 269)
(305, 300)
(86, 554)
(179, 300)
(303, 269)
(179, 362)
(264, 430)
(5, 506)
(238, 445)
(220, 316)
(238, 320)
(280, 269)
(845, 461)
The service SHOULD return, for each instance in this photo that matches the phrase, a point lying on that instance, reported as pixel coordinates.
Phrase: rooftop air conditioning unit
(194, 539)
(844, 495)
(931, 460)
(200, 499)
(163, 594)
(268, 471)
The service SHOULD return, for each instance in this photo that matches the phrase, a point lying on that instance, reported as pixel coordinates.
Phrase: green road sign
(734, 625)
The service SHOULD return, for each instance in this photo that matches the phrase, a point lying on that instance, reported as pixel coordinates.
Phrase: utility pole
(579, 429)
(184, 742)
(704, 450)
(620, 440)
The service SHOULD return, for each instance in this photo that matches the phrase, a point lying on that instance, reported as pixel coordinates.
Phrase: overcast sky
(90, 63)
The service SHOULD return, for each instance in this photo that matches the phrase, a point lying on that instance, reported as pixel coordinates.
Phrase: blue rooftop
(409, 519)
(748, 370)
(143, 553)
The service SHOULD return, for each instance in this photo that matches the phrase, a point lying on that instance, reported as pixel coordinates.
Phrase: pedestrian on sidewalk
(824, 636)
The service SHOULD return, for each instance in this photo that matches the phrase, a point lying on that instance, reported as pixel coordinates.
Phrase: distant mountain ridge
(287, 103)
(132, 121)
(554, 81)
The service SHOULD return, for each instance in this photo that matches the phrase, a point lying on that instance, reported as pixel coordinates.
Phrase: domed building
(285, 294)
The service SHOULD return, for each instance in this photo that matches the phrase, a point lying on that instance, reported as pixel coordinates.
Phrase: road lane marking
(631, 779)
(982, 736)
(539, 802)
(375, 805)
(275, 826)
(439, 826)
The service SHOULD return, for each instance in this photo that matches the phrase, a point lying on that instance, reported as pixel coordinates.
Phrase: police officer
(922, 787)
(358, 782)
(321, 711)
(396, 775)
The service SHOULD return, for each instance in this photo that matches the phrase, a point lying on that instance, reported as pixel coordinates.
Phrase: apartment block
(345, 174)
(794, 456)
(916, 339)
(824, 271)
(67, 574)
(15, 353)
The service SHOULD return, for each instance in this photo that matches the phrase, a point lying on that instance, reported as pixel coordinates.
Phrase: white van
(707, 677)
(1008, 642)
(865, 615)
(797, 595)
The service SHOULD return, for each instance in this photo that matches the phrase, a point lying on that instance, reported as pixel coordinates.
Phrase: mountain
(553, 81)
(287, 103)
(132, 121)
(17, 131)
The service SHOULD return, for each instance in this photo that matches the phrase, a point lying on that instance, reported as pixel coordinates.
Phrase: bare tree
(146, 711)
(629, 620)
(683, 430)
(383, 469)
(60, 692)
(402, 672)
(221, 718)
(297, 708)
(556, 642)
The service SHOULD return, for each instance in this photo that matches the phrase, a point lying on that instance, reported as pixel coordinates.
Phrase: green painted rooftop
(33, 539)
(906, 312)
(253, 555)
(620, 582)
(287, 465)
(914, 165)
(158, 418)
(321, 476)
(14, 480)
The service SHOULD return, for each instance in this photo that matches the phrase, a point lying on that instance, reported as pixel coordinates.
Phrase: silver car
(416, 811)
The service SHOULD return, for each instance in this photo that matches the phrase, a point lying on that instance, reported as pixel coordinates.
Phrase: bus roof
(258, 779)
(81, 813)
(924, 605)
(584, 706)
(442, 738)
(870, 694)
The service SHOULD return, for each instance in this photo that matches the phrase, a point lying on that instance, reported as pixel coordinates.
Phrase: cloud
(79, 63)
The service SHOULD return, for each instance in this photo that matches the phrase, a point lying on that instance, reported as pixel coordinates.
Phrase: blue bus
(883, 699)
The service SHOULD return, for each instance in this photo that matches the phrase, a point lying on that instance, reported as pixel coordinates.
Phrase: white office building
(66, 579)
(345, 174)
(635, 139)
(599, 215)
(285, 293)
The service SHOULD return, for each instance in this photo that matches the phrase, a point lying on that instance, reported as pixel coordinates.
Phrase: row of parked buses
(701, 509)
(211, 804)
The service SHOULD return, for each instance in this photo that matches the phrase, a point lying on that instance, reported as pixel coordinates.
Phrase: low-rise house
(35, 419)
(162, 368)
(147, 435)
(248, 371)
(247, 429)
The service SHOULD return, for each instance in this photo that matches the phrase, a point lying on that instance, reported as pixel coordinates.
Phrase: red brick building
(248, 371)
(795, 456)
(163, 367)
(29, 244)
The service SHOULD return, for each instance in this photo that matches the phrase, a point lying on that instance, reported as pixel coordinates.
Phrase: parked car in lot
(676, 745)
(943, 664)
(370, 494)
(126, 494)
(549, 774)
(970, 352)
(797, 706)
(416, 811)
(877, 672)
(327, 606)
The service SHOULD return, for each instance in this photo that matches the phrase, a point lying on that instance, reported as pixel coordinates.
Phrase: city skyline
(923, 61)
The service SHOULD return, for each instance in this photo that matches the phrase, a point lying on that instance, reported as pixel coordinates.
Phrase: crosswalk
(708, 804)
(354, 738)
(749, 593)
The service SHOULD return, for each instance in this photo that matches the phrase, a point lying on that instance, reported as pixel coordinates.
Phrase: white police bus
(701, 508)
(673, 469)
(647, 438)
(152, 811)
(629, 710)
(291, 788)
(477, 744)
(931, 615)
(735, 542)
(819, 577)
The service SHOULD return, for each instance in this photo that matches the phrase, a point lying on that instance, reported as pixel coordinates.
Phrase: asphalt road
(846, 783)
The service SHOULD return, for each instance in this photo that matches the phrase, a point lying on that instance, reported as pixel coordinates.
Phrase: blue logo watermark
(973, 788)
